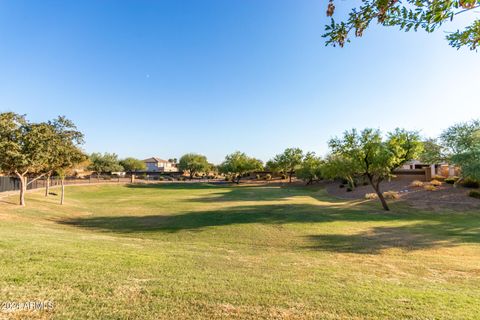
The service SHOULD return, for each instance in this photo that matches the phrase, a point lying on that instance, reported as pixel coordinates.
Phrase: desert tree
(374, 157)
(288, 161)
(132, 165)
(432, 153)
(104, 163)
(238, 164)
(462, 144)
(337, 166)
(24, 149)
(193, 163)
(406, 15)
(64, 135)
(310, 169)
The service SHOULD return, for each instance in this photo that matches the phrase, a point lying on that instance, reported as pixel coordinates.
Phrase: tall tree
(462, 142)
(65, 140)
(407, 15)
(288, 161)
(432, 152)
(238, 164)
(310, 169)
(104, 163)
(24, 148)
(336, 166)
(375, 158)
(193, 163)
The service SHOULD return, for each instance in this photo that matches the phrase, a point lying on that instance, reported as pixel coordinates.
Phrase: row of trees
(32, 150)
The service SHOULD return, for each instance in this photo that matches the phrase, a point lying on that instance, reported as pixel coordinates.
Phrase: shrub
(365, 183)
(170, 179)
(391, 195)
(284, 177)
(268, 177)
(417, 183)
(438, 177)
(436, 183)
(161, 178)
(341, 186)
(430, 187)
(451, 180)
(470, 183)
(371, 196)
(349, 189)
(474, 194)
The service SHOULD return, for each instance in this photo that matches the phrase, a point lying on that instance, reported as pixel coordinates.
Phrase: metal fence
(13, 183)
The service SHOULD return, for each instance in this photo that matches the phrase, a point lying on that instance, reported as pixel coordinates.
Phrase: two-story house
(159, 165)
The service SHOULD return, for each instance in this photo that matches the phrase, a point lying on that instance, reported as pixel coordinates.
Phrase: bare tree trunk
(47, 185)
(62, 198)
(376, 187)
(290, 177)
(23, 188)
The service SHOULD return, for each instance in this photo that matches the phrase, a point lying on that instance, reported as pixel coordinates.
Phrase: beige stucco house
(155, 164)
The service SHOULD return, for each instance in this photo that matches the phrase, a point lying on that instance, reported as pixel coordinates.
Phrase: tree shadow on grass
(417, 230)
(422, 235)
(197, 220)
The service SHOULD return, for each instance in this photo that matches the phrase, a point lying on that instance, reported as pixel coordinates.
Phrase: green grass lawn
(201, 251)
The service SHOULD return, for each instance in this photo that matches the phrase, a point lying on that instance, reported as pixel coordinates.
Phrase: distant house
(159, 165)
(431, 170)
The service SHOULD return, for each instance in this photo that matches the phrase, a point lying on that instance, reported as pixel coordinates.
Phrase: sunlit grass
(201, 251)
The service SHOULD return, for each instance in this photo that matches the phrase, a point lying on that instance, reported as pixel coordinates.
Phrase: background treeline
(34, 150)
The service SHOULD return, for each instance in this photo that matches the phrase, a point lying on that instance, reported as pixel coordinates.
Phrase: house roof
(154, 159)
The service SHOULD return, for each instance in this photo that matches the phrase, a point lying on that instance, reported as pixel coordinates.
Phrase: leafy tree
(193, 163)
(336, 166)
(462, 142)
(64, 148)
(288, 161)
(432, 152)
(407, 15)
(238, 164)
(104, 163)
(133, 165)
(24, 148)
(373, 157)
(311, 168)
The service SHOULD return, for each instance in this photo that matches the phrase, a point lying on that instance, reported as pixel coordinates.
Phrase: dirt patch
(446, 196)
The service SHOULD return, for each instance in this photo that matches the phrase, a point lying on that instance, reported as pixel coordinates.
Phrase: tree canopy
(432, 152)
(104, 163)
(133, 164)
(193, 163)
(288, 161)
(462, 144)
(238, 163)
(406, 15)
(32, 150)
(373, 157)
(310, 169)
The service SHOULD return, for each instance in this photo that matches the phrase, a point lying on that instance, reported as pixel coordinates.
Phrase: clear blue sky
(162, 78)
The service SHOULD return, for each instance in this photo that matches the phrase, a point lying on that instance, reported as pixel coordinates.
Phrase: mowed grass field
(193, 251)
